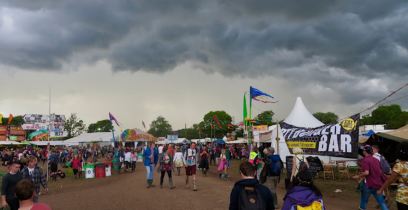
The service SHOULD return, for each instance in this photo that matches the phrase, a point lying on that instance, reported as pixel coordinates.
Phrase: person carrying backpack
(385, 166)
(248, 194)
(304, 194)
(274, 166)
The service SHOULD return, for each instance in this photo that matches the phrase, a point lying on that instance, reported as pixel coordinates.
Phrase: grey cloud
(242, 38)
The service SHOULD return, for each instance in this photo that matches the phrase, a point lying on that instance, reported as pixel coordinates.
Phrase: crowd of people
(260, 169)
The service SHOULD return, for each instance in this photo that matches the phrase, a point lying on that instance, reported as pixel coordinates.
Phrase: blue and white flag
(261, 96)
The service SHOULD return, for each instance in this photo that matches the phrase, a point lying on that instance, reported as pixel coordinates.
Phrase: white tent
(301, 117)
(238, 141)
(9, 143)
(54, 143)
(104, 138)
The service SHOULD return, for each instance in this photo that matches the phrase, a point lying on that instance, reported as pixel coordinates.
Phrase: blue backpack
(275, 165)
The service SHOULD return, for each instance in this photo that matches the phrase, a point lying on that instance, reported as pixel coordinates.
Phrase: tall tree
(74, 126)
(391, 115)
(160, 127)
(216, 124)
(264, 118)
(100, 126)
(326, 118)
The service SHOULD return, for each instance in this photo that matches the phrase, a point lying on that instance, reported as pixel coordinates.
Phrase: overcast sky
(181, 59)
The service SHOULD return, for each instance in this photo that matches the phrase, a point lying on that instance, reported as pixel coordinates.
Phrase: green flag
(244, 111)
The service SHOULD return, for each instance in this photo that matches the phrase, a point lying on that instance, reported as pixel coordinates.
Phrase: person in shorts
(190, 162)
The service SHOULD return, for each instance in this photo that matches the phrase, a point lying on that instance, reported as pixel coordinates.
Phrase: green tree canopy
(391, 115)
(74, 126)
(210, 127)
(100, 126)
(160, 127)
(264, 118)
(326, 118)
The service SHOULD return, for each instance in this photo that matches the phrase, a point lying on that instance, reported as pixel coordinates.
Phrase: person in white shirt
(128, 159)
(178, 160)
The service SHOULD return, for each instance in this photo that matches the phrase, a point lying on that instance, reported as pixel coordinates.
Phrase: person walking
(25, 191)
(373, 177)
(204, 165)
(149, 162)
(400, 173)
(303, 193)
(222, 166)
(190, 162)
(178, 160)
(77, 166)
(35, 174)
(8, 186)
(274, 166)
(166, 166)
(133, 157)
(248, 193)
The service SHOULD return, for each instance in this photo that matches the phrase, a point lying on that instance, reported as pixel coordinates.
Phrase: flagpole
(49, 129)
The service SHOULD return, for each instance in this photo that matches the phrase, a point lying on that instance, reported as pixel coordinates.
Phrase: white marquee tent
(104, 138)
(299, 117)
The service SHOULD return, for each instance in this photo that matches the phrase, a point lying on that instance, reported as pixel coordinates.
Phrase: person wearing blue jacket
(150, 158)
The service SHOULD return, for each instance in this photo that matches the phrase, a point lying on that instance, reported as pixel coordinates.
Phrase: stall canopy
(105, 137)
(9, 143)
(53, 143)
(238, 141)
(391, 142)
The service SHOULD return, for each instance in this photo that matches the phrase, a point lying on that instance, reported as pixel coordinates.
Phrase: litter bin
(116, 165)
(108, 168)
(99, 170)
(89, 171)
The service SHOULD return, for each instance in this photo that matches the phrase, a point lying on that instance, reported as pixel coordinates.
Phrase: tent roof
(301, 117)
(399, 135)
(91, 137)
(9, 143)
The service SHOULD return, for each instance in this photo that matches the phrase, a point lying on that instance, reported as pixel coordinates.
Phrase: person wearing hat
(373, 178)
(303, 193)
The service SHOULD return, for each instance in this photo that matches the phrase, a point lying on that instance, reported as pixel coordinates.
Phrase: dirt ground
(128, 191)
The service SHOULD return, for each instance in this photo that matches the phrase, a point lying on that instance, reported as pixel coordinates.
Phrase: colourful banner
(338, 140)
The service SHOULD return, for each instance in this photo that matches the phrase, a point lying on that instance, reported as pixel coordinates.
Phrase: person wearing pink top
(25, 193)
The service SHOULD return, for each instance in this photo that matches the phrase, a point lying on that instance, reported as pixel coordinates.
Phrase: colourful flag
(244, 111)
(1, 119)
(10, 119)
(217, 121)
(144, 125)
(261, 96)
(112, 118)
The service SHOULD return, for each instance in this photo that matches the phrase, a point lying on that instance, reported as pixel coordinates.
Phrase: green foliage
(326, 118)
(391, 115)
(100, 126)
(264, 118)
(74, 126)
(210, 128)
(160, 127)
(189, 133)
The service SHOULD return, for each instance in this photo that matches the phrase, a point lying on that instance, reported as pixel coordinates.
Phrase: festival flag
(10, 119)
(261, 96)
(144, 125)
(217, 121)
(1, 119)
(244, 111)
(112, 118)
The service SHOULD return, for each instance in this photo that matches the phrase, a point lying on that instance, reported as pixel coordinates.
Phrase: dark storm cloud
(365, 39)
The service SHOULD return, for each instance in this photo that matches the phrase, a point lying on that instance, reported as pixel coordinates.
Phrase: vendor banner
(337, 140)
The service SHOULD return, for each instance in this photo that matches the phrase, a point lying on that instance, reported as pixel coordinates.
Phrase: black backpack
(250, 199)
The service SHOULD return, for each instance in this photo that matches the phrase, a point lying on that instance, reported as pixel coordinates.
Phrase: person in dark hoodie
(303, 193)
(248, 193)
